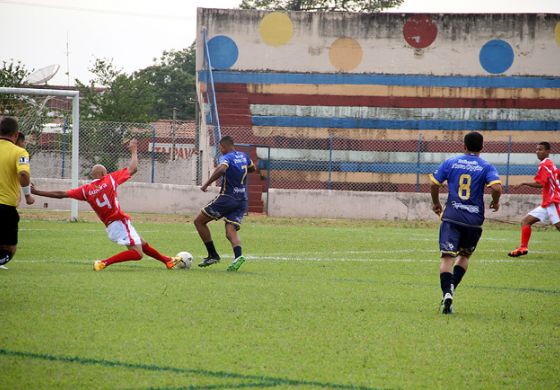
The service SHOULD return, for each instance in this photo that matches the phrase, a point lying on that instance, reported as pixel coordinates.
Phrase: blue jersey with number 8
(235, 179)
(466, 177)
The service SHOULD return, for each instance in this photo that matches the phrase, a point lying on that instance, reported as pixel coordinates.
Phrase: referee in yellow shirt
(14, 172)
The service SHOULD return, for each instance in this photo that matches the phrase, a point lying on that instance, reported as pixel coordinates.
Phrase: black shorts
(458, 240)
(9, 219)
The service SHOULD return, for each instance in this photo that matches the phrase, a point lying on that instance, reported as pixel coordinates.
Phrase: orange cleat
(99, 265)
(518, 252)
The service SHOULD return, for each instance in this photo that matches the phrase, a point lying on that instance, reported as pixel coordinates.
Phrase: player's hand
(133, 145)
(495, 206)
(436, 208)
(29, 199)
(33, 188)
(204, 188)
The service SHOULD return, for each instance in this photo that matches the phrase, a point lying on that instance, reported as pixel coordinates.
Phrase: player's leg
(122, 233)
(149, 250)
(467, 245)
(9, 219)
(534, 216)
(201, 224)
(233, 219)
(449, 236)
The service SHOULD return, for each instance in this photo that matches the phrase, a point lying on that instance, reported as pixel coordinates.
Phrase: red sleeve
(77, 193)
(541, 176)
(121, 176)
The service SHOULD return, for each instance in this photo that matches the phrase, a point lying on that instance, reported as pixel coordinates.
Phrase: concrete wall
(135, 197)
(176, 199)
(380, 205)
(436, 44)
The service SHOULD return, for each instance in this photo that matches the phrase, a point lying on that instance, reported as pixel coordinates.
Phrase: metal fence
(377, 160)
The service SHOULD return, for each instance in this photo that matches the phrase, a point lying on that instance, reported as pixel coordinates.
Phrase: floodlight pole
(75, 95)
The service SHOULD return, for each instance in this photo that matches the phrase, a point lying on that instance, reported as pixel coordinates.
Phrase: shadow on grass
(256, 381)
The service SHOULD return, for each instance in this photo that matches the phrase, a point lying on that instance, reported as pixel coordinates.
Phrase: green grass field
(319, 304)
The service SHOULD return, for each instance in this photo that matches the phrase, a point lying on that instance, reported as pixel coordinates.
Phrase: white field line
(522, 261)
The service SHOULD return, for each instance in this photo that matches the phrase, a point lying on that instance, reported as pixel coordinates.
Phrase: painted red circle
(420, 31)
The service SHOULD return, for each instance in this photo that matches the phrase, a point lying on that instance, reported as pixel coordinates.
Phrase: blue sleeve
(441, 174)
(492, 176)
(224, 160)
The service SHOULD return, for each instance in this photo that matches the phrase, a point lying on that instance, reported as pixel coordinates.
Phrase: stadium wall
(299, 78)
(179, 199)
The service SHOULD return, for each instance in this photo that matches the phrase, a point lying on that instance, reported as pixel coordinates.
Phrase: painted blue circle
(496, 56)
(223, 52)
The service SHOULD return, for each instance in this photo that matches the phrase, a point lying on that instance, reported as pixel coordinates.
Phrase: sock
(446, 282)
(458, 273)
(211, 249)
(5, 256)
(525, 235)
(237, 251)
(152, 252)
(128, 255)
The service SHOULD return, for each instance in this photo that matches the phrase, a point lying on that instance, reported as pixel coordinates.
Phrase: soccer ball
(186, 260)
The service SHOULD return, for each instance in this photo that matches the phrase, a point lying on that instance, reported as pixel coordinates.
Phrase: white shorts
(550, 213)
(123, 233)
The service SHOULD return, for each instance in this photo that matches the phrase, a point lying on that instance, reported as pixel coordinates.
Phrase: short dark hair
(226, 140)
(474, 141)
(8, 126)
(545, 144)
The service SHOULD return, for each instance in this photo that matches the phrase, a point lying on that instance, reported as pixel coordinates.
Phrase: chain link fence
(382, 160)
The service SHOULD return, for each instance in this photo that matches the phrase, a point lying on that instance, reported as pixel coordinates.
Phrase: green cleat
(237, 263)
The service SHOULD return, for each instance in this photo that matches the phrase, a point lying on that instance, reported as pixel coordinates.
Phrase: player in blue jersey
(231, 204)
(461, 223)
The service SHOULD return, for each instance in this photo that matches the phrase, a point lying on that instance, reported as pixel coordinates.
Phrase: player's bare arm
(48, 194)
(218, 172)
(436, 205)
(25, 181)
(496, 193)
(251, 168)
(133, 164)
(530, 184)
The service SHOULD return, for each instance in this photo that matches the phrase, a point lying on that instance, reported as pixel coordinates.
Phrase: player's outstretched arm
(48, 194)
(218, 172)
(133, 164)
(496, 193)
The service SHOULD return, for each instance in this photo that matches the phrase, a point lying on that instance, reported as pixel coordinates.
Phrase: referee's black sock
(5, 256)
(446, 281)
(211, 249)
(458, 273)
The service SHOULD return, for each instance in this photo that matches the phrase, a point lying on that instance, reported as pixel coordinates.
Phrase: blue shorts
(231, 209)
(458, 240)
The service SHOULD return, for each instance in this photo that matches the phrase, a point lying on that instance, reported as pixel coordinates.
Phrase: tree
(115, 96)
(320, 5)
(31, 111)
(173, 78)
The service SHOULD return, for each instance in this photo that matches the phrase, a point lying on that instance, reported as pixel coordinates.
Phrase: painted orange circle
(345, 54)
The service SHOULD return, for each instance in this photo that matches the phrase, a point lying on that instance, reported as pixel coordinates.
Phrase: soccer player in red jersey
(547, 178)
(101, 194)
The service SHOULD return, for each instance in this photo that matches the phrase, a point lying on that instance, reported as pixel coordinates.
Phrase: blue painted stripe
(317, 166)
(352, 123)
(384, 79)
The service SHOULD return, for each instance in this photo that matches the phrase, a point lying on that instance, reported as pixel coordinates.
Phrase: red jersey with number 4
(101, 194)
(547, 176)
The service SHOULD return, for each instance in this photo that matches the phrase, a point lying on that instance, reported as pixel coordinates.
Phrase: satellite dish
(42, 75)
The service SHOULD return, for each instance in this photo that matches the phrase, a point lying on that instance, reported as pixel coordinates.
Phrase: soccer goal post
(21, 104)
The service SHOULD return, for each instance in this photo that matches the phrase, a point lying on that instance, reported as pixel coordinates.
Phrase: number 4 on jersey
(104, 203)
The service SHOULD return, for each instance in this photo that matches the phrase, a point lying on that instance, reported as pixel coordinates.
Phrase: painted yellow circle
(557, 33)
(276, 29)
(345, 54)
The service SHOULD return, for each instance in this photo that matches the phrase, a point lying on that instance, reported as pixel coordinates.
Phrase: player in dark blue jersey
(231, 204)
(461, 223)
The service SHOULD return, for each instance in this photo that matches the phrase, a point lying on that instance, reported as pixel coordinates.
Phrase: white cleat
(447, 303)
